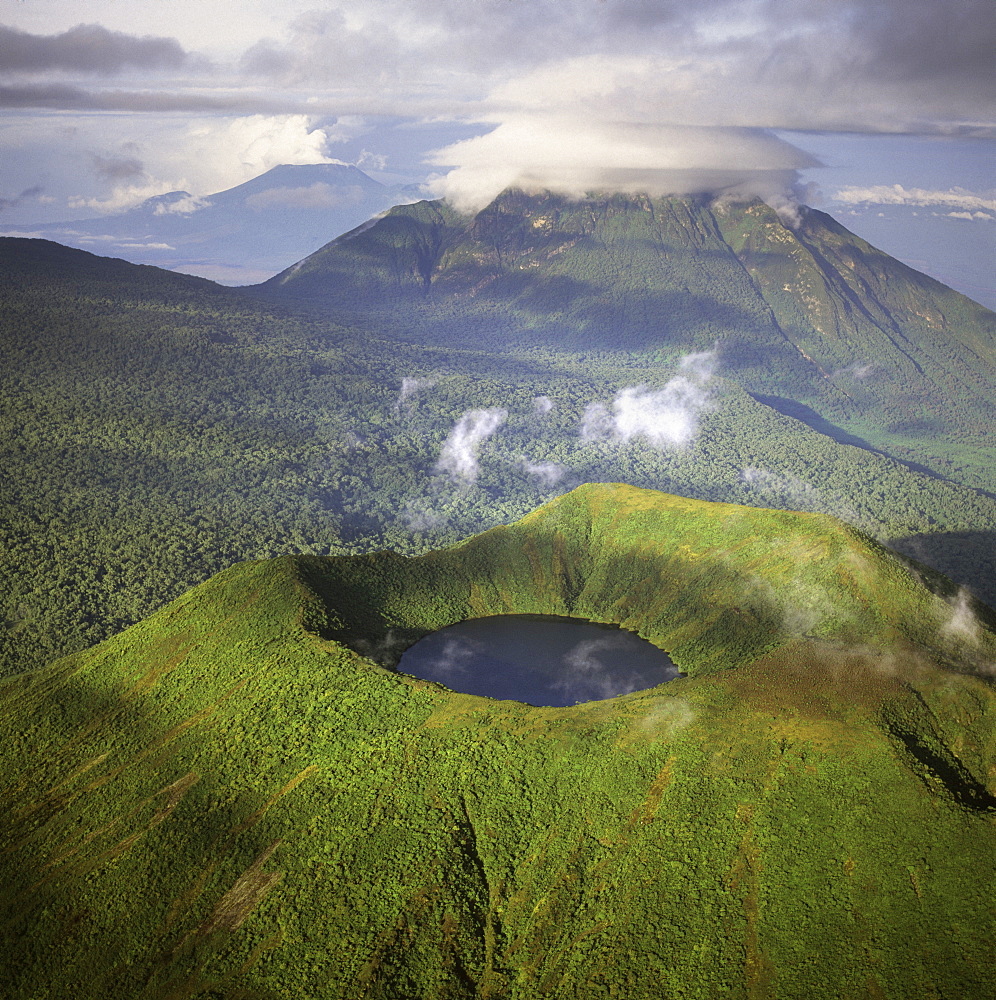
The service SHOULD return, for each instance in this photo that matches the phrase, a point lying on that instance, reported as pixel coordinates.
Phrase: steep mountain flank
(806, 312)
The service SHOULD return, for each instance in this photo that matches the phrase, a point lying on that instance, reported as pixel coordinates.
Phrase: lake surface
(538, 659)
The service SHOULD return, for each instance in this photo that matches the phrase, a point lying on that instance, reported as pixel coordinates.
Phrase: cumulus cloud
(542, 405)
(206, 155)
(458, 457)
(260, 142)
(665, 418)
(896, 194)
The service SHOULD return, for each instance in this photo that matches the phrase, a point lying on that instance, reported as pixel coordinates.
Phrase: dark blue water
(538, 659)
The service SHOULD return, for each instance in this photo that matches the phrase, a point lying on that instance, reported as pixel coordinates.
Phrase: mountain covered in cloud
(238, 236)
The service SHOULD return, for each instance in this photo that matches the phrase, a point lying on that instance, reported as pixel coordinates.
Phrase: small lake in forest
(538, 659)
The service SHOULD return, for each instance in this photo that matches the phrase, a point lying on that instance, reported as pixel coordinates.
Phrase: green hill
(228, 800)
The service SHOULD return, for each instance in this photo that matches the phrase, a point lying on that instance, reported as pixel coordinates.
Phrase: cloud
(35, 191)
(69, 97)
(790, 492)
(542, 405)
(410, 387)
(118, 168)
(971, 216)
(896, 194)
(145, 246)
(563, 154)
(668, 717)
(548, 473)
(858, 370)
(961, 626)
(87, 48)
(123, 197)
(665, 418)
(423, 519)
(458, 457)
(315, 196)
(632, 95)
(202, 156)
(186, 205)
(385, 652)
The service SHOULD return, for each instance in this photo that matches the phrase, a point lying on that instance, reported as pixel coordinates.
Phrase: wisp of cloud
(458, 457)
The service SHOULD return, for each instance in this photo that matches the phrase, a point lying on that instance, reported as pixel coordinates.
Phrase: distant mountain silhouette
(238, 236)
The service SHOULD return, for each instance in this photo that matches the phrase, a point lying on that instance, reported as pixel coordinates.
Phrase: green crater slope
(239, 797)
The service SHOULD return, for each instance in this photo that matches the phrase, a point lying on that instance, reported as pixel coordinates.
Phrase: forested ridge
(157, 427)
(803, 310)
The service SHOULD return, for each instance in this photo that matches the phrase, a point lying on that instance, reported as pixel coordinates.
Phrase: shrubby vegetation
(228, 801)
(157, 429)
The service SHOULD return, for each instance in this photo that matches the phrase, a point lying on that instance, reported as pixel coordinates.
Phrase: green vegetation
(157, 428)
(812, 315)
(229, 801)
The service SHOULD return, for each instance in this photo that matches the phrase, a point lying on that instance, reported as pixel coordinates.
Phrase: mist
(666, 418)
(458, 457)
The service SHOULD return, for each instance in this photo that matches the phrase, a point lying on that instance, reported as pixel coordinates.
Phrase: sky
(881, 110)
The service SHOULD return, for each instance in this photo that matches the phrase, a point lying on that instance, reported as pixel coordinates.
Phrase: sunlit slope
(228, 800)
(805, 312)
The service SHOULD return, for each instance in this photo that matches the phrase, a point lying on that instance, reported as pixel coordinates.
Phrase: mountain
(811, 319)
(231, 800)
(241, 235)
(156, 428)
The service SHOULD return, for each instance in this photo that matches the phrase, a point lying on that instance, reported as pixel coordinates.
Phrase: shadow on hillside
(104, 778)
(967, 557)
(808, 416)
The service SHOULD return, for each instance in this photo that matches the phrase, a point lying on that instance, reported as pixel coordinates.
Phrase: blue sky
(883, 113)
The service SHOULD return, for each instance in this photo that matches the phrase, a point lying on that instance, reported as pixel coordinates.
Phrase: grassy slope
(228, 800)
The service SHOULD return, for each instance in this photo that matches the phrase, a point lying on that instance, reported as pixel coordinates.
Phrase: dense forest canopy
(432, 375)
